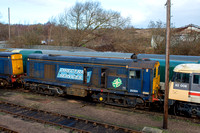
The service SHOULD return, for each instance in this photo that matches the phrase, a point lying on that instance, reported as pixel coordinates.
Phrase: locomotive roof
(187, 68)
(93, 60)
(7, 54)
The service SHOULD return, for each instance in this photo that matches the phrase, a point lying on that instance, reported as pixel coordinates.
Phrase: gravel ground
(78, 108)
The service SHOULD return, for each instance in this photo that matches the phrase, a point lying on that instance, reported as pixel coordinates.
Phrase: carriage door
(135, 80)
(194, 93)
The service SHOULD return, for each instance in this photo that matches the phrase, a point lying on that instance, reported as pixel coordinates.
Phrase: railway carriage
(184, 92)
(11, 68)
(124, 82)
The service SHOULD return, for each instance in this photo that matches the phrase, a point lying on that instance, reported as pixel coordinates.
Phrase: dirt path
(77, 108)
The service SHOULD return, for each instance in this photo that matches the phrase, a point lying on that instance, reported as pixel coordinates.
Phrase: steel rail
(85, 121)
(6, 130)
(147, 111)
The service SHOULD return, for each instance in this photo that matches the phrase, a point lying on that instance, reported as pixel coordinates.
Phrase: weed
(2, 113)
(83, 116)
(7, 94)
(155, 118)
(57, 127)
(186, 121)
(35, 106)
(2, 99)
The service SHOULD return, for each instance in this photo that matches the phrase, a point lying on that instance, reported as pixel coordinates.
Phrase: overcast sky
(141, 12)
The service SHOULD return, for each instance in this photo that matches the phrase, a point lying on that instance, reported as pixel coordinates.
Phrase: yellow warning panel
(17, 64)
(177, 94)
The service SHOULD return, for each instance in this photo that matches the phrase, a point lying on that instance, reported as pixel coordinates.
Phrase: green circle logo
(117, 82)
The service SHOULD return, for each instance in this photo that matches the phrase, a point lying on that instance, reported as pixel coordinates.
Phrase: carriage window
(196, 79)
(182, 77)
(134, 74)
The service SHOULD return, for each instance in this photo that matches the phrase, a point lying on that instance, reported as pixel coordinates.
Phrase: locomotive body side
(116, 81)
(184, 93)
(11, 67)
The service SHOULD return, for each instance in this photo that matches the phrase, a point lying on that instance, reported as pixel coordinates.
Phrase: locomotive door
(194, 92)
(103, 78)
(135, 80)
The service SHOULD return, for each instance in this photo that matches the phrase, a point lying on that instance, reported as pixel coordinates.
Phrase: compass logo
(117, 82)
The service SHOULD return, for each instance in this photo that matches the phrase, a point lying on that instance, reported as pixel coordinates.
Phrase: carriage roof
(187, 68)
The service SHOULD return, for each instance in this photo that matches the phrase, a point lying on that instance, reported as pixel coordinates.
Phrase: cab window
(181, 77)
(196, 79)
(134, 74)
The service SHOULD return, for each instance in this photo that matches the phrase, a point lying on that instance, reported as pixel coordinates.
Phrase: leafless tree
(158, 35)
(85, 19)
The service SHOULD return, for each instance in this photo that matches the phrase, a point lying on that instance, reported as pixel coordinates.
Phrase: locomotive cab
(11, 67)
(184, 90)
(185, 84)
(145, 81)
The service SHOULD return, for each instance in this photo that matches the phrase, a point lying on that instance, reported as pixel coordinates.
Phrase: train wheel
(176, 109)
(3, 83)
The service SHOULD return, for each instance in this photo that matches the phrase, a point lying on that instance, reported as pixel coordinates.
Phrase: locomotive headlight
(101, 98)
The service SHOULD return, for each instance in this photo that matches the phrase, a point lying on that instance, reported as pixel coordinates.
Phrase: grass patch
(2, 99)
(35, 106)
(8, 94)
(186, 121)
(155, 118)
(56, 127)
(29, 95)
(2, 113)
(83, 116)
(135, 127)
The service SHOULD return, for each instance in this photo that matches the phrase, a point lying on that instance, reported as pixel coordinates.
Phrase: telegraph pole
(165, 119)
(8, 23)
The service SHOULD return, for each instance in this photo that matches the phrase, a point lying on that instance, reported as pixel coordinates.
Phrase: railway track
(69, 122)
(145, 111)
(6, 130)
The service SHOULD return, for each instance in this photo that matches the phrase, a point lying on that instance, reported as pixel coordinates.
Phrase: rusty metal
(49, 71)
(165, 117)
(90, 122)
(76, 91)
(6, 130)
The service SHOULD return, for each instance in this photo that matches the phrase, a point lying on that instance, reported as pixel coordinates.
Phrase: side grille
(49, 71)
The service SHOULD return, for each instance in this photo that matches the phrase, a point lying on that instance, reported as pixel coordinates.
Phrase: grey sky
(141, 12)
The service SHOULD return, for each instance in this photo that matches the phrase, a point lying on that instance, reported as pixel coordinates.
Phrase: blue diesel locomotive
(11, 68)
(124, 82)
